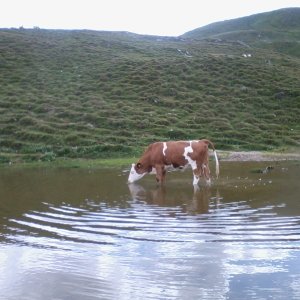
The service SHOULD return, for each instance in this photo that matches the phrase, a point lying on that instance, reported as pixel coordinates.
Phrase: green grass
(86, 94)
(124, 162)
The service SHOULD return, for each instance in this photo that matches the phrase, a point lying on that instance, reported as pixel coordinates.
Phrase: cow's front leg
(160, 174)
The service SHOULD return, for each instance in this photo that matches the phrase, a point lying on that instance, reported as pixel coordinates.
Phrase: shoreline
(124, 162)
(256, 156)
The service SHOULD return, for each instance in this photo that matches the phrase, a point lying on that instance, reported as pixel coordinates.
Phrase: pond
(87, 234)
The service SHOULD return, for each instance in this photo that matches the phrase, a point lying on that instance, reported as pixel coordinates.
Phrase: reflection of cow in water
(191, 203)
(164, 155)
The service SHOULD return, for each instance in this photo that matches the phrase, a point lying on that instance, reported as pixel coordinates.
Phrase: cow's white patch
(133, 175)
(196, 180)
(187, 150)
(165, 148)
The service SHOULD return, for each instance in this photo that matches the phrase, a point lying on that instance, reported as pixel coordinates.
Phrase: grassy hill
(107, 94)
(276, 30)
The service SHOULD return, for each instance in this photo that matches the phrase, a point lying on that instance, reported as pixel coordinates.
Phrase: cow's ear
(138, 165)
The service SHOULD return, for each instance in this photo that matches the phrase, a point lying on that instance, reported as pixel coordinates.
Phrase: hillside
(276, 30)
(107, 94)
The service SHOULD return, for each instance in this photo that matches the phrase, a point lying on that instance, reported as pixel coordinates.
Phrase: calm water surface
(79, 234)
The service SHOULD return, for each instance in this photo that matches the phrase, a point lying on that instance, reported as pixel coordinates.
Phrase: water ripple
(100, 224)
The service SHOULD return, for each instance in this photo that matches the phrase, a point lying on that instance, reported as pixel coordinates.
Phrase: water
(79, 234)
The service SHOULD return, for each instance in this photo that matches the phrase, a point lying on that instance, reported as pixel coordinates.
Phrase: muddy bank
(256, 156)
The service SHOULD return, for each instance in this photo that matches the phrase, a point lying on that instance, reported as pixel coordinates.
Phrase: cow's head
(136, 172)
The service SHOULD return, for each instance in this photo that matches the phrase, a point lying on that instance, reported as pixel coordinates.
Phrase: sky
(154, 17)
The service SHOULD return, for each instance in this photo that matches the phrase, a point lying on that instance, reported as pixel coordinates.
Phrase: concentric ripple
(72, 227)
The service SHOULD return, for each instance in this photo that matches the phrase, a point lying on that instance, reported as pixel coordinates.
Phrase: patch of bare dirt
(256, 156)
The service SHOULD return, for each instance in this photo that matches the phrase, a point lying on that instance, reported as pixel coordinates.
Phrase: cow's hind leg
(196, 173)
(206, 173)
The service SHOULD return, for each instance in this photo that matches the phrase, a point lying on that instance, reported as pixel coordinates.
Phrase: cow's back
(166, 153)
(174, 153)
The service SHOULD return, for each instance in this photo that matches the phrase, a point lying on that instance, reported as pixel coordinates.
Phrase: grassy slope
(98, 94)
(277, 30)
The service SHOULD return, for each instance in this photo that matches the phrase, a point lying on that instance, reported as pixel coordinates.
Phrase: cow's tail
(209, 143)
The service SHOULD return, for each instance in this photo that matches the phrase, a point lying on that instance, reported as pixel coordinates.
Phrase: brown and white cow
(160, 156)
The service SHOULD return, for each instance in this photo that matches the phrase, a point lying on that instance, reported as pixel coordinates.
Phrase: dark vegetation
(107, 94)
